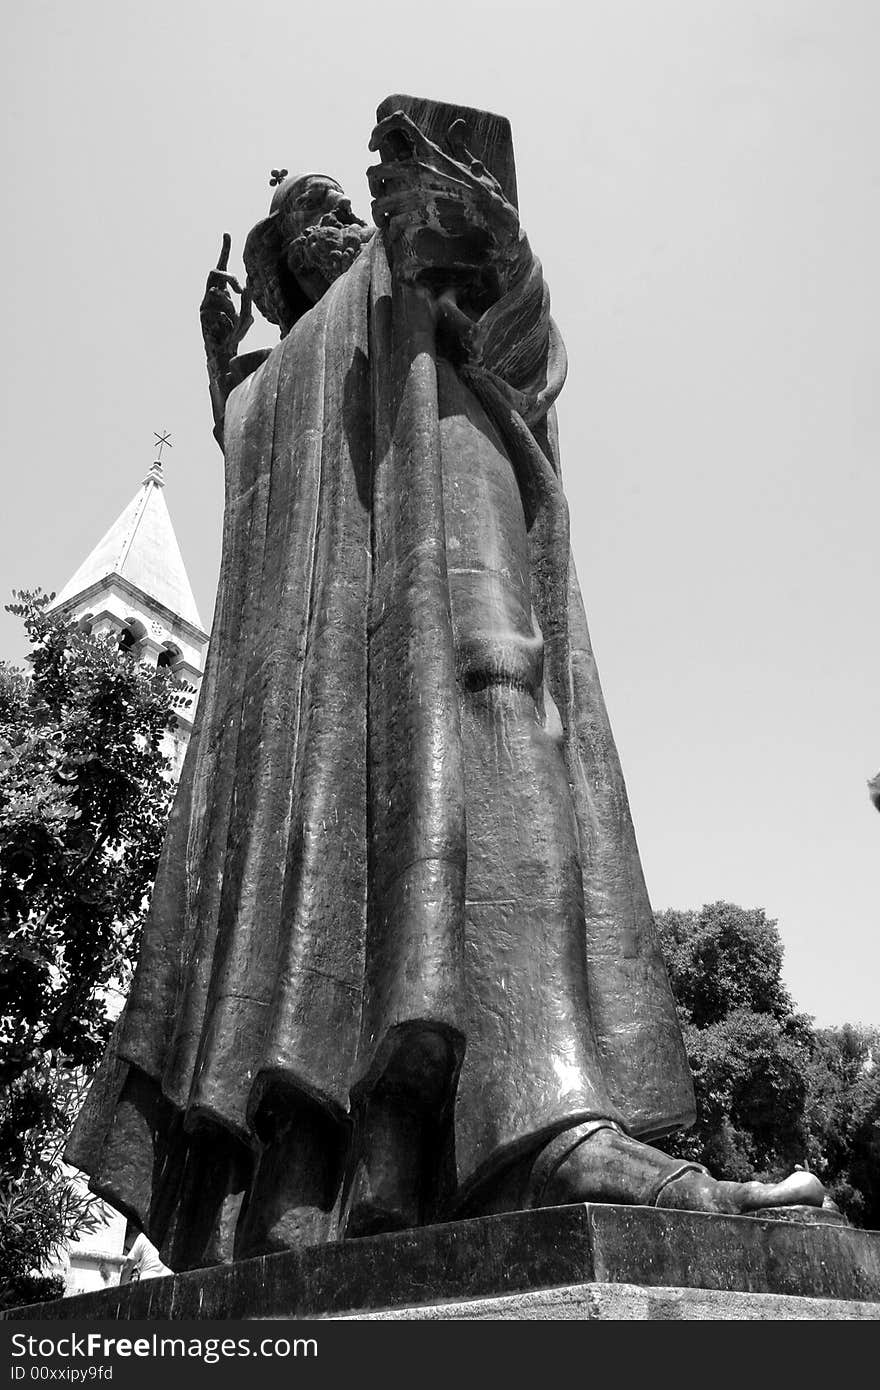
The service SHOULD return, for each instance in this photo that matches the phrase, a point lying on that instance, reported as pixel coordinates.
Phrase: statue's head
(309, 238)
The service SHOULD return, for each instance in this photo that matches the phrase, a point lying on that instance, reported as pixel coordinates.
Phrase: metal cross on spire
(155, 474)
(163, 439)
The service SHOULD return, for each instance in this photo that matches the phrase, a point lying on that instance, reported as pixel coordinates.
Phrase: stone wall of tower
(152, 634)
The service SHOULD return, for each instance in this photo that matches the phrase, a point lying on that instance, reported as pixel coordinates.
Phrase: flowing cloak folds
(307, 921)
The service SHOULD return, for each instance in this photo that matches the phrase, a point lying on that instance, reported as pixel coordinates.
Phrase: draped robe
(401, 830)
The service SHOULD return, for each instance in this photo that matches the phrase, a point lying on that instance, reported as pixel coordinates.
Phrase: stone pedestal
(585, 1261)
(632, 1303)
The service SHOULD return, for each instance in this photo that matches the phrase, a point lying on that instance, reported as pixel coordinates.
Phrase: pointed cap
(141, 547)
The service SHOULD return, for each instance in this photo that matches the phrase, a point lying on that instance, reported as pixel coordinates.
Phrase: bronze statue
(400, 964)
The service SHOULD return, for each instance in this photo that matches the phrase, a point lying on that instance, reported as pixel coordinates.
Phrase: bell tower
(134, 584)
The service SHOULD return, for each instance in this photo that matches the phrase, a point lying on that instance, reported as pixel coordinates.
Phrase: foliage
(772, 1091)
(84, 798)
(722, 960)
(843, 1118)
(748, 1049)
(41, 1205)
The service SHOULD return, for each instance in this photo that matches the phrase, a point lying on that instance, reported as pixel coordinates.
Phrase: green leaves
(843, 1114)
(771, 1090)
(724, 958)
(83, 780)
(85, 793)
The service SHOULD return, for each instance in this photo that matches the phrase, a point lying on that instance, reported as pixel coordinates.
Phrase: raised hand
(224, 326)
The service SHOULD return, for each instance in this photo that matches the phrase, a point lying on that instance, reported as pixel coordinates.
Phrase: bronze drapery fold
(418, 849)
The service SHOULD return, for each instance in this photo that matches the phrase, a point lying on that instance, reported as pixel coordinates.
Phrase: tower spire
(134, 583)
(156, 473)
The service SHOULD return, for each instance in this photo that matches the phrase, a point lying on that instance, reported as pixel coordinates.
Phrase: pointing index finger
(224, 252)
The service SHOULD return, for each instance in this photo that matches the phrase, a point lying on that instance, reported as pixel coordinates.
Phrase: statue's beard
(324, 252)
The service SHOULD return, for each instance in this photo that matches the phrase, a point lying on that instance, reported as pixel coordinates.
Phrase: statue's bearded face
(321, 234)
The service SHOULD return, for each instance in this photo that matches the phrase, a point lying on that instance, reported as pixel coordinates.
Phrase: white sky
(702, 182)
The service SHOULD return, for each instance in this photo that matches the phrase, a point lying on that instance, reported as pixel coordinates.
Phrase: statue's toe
(799, 1189)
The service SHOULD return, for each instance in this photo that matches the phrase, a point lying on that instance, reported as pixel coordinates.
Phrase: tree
(771, 1090)
(41, 1206)
(748, 1049)
(85, 793)
(843, 1118)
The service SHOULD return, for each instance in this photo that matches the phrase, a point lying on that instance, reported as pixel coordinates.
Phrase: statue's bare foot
(695, 1191)
(597, 1162)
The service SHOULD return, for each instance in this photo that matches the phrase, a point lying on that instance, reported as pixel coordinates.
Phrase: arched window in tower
(130, 635)
(168, 657)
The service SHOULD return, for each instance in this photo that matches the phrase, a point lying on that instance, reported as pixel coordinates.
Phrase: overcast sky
(702, 183)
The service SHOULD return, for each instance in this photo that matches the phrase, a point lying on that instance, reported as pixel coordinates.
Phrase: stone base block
(632, 1303)
(657, 1255)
